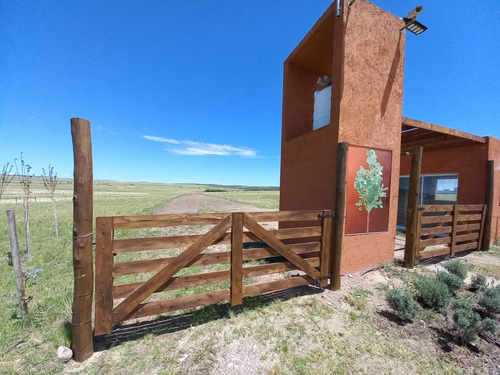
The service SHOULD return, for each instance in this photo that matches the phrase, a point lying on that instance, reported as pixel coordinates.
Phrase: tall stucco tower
(360, 49)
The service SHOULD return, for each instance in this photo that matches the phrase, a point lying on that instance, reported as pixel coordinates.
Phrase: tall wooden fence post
(237, 258)
(412, 212)
(338, 233)
(82, 241)
(16, 262)
(489, 188)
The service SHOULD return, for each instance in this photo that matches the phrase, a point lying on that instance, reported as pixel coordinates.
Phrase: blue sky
(191, 91)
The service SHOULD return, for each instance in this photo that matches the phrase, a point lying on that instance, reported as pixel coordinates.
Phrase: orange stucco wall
(307, 156)
(371, 113)
(365, 57)
(469, 162)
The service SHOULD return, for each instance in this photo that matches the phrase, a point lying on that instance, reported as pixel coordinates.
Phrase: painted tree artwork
(368, 186)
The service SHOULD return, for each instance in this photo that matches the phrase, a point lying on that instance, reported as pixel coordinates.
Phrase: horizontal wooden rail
(458, 228)
(155, 264)
(190, 281)
(195, 300)
(172, 220)
(173, 242)
(302, 246)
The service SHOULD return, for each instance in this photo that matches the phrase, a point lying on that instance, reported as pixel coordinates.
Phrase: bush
(457, 267)
(403, 304)
(452, 281)
(490, 300)
(433, 294)
(468, 324)
(466, 321)
(489, 325)
(478, 282)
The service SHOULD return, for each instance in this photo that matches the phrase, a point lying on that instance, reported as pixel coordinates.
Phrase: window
(434, 189)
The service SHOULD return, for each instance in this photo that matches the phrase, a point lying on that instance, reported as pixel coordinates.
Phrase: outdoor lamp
(411, 23)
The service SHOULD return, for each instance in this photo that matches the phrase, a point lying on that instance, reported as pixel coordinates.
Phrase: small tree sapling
(25, 181)
(50, 182)
(6, 177)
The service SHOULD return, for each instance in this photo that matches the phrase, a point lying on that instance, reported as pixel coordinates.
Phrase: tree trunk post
(338, 230)
(82, 241)
(55, 216)
(412, 211)
(27, 225)
(489, 189)
(16, 262)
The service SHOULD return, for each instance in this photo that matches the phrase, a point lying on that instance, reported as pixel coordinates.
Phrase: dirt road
(193, 203)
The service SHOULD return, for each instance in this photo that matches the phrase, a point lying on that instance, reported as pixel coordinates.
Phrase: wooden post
(82, 240)
(338, 233)
(237, 259)
(326, 245)
(412, 212)
(453, 234)
(104, 276)
(16, 262)
(489, 188)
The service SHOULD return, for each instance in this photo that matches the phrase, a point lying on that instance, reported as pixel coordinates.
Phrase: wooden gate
(219, 264)
(448, 229)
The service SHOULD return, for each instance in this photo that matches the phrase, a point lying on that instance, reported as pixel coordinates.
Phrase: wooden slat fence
(138, 275)
(449, 229)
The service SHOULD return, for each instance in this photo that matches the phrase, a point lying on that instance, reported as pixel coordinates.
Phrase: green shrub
(403, 304)
(478, 282)
(456, 267)
(452, 281)
(466, 321)
(489, 325)
(490, 300)
(468, 324)
(433, 293)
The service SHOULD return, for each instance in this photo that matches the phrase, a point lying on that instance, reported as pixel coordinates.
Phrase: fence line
(449, 229)
(242, 239)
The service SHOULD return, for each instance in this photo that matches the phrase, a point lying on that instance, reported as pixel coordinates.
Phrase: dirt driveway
(194, 203)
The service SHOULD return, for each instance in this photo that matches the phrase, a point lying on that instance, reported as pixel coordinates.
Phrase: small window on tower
(322, 103)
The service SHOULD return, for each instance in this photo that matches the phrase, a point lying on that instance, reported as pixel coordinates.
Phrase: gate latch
(326, 214)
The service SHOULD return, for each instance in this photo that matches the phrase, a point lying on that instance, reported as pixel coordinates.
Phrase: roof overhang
(434, 137)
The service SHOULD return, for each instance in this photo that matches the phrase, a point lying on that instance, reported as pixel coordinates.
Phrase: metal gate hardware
(326, 214)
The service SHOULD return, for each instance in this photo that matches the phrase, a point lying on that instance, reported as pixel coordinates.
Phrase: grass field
(344, 332)
(27, 345)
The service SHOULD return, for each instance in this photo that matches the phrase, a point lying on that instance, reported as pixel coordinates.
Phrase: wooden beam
(237, 259)
(82, 241)
(490, 187)
(104, 276)
(411, 214)
(340, 198)
(277, 245)
(326, 245)
(129, 305)
(453, 236)
(441, 129)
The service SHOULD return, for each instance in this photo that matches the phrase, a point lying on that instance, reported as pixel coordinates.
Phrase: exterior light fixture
(411, 23)
(349, 4)
(324, 81)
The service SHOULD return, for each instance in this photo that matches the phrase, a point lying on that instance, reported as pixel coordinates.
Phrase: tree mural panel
(368, 190)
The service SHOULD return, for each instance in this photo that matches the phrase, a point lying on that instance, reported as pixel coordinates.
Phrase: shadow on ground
(179, 322)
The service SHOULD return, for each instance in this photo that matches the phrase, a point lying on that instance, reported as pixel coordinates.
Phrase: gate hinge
(326, 214)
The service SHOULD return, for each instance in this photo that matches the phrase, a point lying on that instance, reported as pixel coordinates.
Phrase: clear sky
(191, 91)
